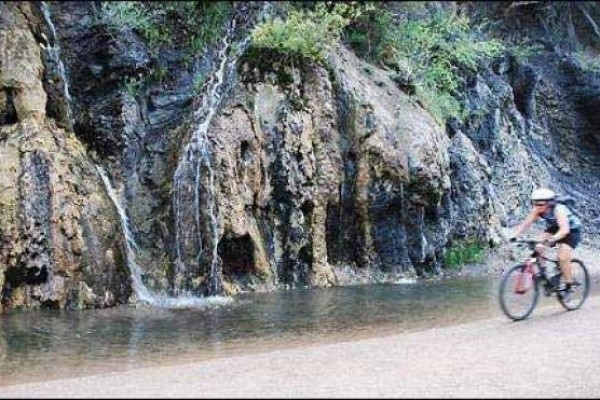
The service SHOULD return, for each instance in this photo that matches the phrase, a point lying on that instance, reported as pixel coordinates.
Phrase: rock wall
(316, 175)
(59, 246)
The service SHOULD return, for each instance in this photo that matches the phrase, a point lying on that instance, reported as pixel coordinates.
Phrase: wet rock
(50, 196)
(49, 193)
(22, 69)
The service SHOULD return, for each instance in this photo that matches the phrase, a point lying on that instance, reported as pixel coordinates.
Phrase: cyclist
(562, 228)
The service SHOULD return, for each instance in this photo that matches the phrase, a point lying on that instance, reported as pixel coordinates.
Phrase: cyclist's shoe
(566, 297)
(564, 287)
(565, 293)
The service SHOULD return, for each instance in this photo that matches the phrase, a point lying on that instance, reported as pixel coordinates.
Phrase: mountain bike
(520, 285)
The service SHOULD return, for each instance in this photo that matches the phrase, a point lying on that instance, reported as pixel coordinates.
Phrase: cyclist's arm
(563, 224)
(523, 226)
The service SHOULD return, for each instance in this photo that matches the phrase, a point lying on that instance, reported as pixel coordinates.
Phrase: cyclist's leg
(565, 254)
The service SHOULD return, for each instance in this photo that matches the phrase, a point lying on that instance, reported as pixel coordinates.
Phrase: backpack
(568, 201)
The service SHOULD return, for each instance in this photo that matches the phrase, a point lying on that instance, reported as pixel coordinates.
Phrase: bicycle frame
(534, 265)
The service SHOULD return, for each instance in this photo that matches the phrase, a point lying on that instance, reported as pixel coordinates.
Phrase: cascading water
(143, 293)
(195, 162)
(53, 52)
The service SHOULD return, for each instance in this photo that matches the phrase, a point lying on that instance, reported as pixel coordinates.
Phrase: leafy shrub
(158, 23)
(587, 63)
(436, 52)
(190, 26)
(304, 33)
(523, 51)
(135, 15)
(463, 253)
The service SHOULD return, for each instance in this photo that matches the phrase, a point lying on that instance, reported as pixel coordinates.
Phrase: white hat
(542, 194)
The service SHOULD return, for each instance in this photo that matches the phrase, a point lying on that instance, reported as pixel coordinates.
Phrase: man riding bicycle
(562, 228)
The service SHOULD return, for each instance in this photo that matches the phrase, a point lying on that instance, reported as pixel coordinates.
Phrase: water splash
(195, 162)
(143, 293)
(53, 51)
(405, 281)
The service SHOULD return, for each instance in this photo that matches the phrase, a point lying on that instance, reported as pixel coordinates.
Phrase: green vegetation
(523, 52)
(462, 253)
(588, 63)
(135, 15)
(189, 25)
(198, 83)
(431, 52)
(434, 52)
(183, 25)
(304, 33)
(133, 84)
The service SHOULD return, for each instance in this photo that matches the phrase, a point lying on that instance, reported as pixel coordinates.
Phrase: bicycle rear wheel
(518, 293)
(579, 288)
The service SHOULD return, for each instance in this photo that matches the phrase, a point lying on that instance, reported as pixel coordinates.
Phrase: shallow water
(46, 344)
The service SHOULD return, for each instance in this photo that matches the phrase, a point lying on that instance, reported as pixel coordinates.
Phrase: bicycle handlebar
(529, 242)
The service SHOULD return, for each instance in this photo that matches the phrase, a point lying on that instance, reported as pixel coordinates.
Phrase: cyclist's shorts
(572, 239)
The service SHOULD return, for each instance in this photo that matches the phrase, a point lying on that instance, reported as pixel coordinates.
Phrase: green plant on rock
(522, 52)
(464, 252)
(442, 50)
(176, 25)
(194, 24)
(159, 73)
(305, 33)
(133, 84)
(435, 51)
(588, 63)
(135, 15)
(197, 84)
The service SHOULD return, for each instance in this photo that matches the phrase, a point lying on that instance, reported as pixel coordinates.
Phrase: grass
(462, 253)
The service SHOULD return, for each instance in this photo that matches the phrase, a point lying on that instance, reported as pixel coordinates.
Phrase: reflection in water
(35, 344)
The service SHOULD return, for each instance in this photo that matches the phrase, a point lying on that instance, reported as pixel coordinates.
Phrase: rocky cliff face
(270, 175)
(59, 247)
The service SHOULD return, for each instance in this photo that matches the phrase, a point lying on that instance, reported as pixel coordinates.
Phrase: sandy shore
(552, 354)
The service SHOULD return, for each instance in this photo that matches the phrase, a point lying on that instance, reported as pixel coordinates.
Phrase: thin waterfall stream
(53, 51)
(195, 162)
(142, 291)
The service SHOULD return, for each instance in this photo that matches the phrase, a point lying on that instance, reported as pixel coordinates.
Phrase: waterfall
(194, 162)
(143, 293)
(53, 52)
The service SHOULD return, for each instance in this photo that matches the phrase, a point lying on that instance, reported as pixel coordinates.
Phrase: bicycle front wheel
(579, 288)
(518, 293)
